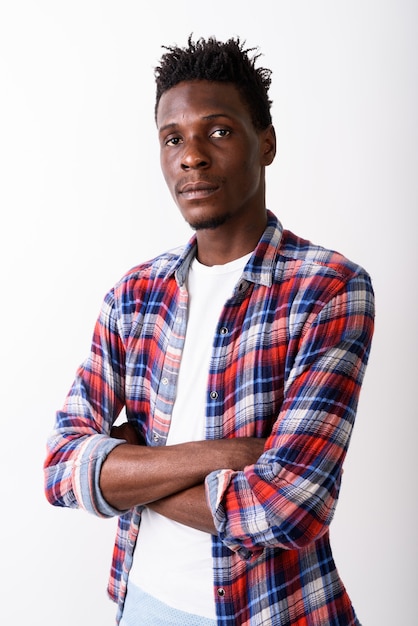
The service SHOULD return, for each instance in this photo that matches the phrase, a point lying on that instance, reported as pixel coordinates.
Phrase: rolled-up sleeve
(80, 441)
(287, 499)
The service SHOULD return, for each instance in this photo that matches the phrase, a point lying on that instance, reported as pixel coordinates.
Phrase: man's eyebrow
(215, 115)
(167, 127)
(211, 116)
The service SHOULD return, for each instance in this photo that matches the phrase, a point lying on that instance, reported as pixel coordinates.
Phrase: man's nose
(194, 156)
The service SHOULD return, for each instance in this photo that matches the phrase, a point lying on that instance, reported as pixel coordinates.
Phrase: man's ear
(268, 145)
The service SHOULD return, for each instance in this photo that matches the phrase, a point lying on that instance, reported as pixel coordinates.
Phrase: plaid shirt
(288, 360)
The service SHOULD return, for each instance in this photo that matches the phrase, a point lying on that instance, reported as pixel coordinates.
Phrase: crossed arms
(281, 492)
(170, 479)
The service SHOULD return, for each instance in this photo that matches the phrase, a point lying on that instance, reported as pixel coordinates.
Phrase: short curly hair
(213, 60)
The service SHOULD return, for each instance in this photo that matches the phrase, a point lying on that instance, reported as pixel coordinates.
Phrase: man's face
(212, 157)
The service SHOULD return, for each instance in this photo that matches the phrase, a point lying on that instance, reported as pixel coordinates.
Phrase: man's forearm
(187, 507)
(135, 474)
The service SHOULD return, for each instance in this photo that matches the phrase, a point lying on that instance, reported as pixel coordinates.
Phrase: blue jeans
(143, 610)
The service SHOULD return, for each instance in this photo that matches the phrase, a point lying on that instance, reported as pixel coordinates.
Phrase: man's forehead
(205, 99)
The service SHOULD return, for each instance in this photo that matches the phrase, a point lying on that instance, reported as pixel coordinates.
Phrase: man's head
(227, 62)
(216, 137)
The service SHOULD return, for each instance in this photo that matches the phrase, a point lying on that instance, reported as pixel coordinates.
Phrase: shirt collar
(260, 267)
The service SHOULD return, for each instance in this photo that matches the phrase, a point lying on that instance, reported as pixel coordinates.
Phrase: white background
(82, 200)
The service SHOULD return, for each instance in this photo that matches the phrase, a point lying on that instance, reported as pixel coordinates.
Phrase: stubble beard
(209, 223)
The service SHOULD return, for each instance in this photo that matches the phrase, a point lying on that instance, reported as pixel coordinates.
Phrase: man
(238, 360)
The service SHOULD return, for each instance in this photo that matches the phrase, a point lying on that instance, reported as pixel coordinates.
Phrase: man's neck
(221, 245)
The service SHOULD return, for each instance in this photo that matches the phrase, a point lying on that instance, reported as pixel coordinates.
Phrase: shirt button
(221, 592)
(213, 395)
(224, 330)
(156, 437)
(164, 381)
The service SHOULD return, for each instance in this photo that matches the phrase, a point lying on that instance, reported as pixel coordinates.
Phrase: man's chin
(209, 223)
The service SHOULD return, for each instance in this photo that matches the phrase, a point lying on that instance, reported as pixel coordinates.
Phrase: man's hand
(128, 432)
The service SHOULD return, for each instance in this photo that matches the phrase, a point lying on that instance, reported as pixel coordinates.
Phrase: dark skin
(213, 160)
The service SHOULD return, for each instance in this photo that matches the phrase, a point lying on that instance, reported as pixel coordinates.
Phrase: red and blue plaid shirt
(288, 361)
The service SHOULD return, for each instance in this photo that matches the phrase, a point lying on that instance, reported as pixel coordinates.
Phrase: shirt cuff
(86, 476)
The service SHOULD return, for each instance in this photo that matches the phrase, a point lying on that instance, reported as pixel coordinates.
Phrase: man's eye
(220, 132)
(173, 141)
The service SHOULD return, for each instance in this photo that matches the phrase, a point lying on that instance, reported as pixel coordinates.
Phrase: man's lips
(197, 189)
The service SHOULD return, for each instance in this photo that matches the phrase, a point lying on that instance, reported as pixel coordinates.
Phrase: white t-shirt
(173, 562)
